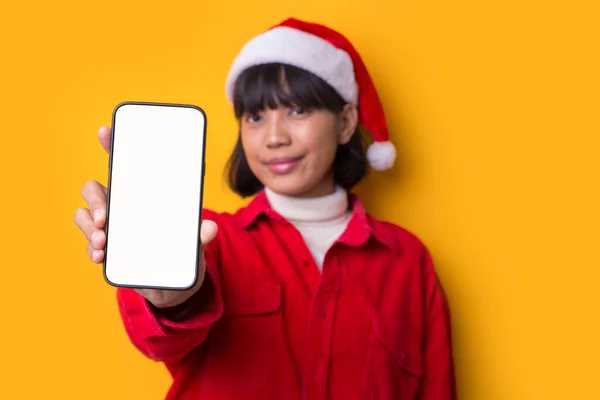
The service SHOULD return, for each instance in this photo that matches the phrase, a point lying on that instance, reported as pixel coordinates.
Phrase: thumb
(208, 231)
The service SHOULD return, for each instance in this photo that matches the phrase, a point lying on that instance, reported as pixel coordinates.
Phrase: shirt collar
(361, 226)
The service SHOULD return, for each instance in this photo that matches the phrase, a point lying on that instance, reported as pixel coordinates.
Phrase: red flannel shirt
(269, 325)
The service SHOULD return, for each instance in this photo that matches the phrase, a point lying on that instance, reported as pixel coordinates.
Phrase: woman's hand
(91, 221)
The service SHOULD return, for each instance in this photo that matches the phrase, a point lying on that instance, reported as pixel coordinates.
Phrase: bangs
(273, 85)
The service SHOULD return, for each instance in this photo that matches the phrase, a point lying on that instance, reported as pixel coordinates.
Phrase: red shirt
(268, 325)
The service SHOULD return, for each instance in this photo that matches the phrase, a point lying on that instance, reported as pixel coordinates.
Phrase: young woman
(303, 294)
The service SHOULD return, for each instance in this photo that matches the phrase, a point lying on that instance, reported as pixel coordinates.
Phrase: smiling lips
(283, 165)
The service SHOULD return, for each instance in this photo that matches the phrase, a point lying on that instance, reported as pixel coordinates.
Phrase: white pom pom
(381, 155)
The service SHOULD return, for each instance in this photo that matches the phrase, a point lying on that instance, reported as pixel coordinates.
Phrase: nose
(277, 133)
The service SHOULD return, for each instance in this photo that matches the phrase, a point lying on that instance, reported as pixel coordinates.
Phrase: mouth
(283, 165)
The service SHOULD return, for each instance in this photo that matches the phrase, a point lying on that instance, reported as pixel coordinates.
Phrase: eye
(252, 118)
(298, 111)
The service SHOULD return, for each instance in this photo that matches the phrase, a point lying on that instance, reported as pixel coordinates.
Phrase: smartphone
(154, 195)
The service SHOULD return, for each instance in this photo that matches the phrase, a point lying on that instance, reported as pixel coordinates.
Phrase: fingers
(91, 221)
(96, 255)
(104, 134)
(95, 196)
(84, 222)
(93, 234)
(208, 231)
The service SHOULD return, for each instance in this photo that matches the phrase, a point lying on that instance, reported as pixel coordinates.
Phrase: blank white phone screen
(155, 196)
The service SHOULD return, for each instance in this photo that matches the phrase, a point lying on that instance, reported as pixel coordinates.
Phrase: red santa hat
(330, 56)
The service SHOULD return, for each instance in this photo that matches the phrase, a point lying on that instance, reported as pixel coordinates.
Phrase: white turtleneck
(320, 220)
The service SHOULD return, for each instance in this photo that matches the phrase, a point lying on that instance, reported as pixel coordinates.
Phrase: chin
(284, 189)
(288, 185)
(294, 187)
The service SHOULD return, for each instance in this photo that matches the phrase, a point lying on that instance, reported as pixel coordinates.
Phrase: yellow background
(495, 110)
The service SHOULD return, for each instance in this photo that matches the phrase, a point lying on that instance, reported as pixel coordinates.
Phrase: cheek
(323, 153)
(250, 147)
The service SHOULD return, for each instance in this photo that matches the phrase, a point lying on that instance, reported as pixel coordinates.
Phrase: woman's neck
(310, 209)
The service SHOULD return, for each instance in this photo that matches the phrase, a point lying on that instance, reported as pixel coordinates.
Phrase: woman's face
(291, 150)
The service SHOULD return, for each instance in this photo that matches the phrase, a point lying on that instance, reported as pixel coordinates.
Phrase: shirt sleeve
(439, 377)
(169, 335)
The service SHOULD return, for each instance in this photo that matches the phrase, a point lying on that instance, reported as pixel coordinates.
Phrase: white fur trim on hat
(300, 49)
(381, 155)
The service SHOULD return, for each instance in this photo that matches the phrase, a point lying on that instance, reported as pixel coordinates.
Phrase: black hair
(271, 85)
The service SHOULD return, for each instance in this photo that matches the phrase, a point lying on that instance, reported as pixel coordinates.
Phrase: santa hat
(330, 56)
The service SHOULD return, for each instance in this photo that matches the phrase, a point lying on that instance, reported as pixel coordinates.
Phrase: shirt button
(321, 313)
(306, 262)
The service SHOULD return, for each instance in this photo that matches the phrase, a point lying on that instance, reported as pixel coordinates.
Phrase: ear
(348, 121)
